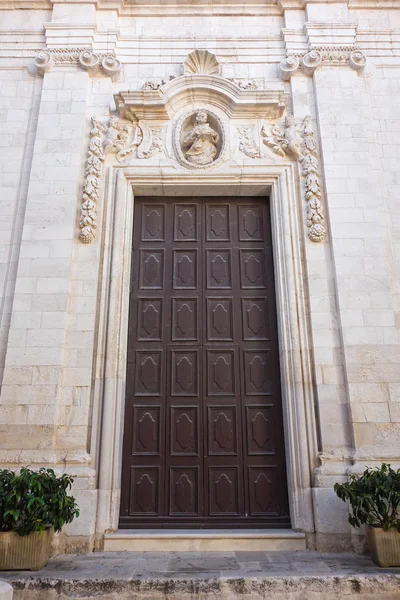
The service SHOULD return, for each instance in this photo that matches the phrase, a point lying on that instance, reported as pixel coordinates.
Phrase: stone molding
(326, 55)
(102, 63)
(166, 100)
(136, 8)
(277, 181)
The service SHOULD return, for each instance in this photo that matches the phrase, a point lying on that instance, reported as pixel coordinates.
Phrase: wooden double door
(203, 441)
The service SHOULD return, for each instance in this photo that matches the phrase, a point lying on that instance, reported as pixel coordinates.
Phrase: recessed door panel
(203, 441)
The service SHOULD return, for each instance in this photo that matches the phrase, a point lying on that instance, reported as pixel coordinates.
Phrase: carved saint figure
(202, 140)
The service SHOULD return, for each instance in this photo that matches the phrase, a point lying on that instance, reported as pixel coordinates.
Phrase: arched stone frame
(279, 181)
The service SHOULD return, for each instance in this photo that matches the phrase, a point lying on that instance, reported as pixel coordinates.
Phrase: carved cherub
(116, 134)
(284, 139)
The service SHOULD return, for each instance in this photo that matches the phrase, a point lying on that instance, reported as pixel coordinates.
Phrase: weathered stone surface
(190, 576)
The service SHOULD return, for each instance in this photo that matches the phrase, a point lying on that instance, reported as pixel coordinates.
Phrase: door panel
(203, 440)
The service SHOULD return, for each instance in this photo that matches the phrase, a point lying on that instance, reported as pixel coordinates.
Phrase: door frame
(279, 182)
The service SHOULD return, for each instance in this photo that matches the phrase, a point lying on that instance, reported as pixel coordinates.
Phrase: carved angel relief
(283, 139)
(123, 139)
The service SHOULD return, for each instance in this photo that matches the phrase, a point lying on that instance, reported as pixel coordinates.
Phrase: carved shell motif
(201, 62)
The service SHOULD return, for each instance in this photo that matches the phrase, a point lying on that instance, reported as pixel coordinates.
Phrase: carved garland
(312, 183)
(90, 196)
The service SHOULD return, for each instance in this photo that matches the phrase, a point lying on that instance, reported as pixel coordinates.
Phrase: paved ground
(208, 575)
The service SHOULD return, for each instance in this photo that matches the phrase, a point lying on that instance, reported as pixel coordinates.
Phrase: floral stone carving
(247, 144)
(290, 141)
(312, 183)
(90, 196)
(111, 136)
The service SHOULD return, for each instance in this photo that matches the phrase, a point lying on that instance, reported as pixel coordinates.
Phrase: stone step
(209, 540)
(299, 575)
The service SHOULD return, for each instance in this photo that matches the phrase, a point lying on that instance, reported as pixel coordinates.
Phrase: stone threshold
(203, 540)
(302, 575)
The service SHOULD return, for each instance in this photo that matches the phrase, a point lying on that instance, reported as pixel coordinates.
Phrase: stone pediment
(213, 90)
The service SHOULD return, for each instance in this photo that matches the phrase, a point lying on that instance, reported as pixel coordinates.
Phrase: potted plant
(374, 498)
(33, 504)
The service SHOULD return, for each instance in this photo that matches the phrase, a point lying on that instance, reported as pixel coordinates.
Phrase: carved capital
(43, 62)
(332, 55)
(86, 59)
(357, 60)
(111, 65)
(310, 62)
(288, 66)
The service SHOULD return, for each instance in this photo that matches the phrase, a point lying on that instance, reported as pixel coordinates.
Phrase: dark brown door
(203, 441)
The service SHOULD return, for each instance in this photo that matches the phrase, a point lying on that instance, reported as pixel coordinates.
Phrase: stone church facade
(200, 261)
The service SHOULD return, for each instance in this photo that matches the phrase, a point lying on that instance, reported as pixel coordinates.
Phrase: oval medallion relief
(199, 139)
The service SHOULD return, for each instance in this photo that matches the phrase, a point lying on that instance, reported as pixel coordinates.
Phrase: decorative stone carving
(357, 60)
(200, 142)
(283, 139)
(86, 59)
(248, 84)
(290, 141)
(288, 66)
(310, 62)
(152, 141)
(246, 144)
(312, 183)
(342, 55)
(90, 196)
(199, 139)
(201, 62)
(110, 65)
(105, 137)
(155, 84)
(336, 55)
(43, 62)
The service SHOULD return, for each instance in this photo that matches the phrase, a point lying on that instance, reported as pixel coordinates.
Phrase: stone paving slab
(208, 576)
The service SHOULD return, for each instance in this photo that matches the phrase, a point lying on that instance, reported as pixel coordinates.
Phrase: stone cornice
(218, 91)
(134, 7)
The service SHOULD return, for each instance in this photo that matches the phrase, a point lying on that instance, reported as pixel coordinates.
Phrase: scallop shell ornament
(201, 62)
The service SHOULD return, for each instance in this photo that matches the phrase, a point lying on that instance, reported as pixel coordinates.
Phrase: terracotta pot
(30, 552)
(384, 546)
